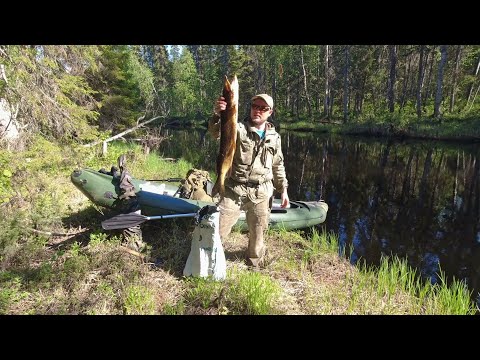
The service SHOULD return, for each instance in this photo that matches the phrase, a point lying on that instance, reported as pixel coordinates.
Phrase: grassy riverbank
(56, 259)
(465, 129)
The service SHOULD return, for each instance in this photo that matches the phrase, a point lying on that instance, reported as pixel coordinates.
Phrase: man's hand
(285, 199)
(220, 105)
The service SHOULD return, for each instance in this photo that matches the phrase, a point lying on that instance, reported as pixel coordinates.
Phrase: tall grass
(320, 243)
(252, 293)
(450, 299)
(395, 279)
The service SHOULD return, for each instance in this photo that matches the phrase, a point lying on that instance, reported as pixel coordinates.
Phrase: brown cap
(267, 98)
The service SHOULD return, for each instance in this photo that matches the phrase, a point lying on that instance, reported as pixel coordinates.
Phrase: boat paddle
(124, 221)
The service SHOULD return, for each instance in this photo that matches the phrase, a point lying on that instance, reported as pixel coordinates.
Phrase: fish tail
(219, 187)
(215, 189)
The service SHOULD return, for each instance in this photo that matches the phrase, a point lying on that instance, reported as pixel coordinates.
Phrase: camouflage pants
(257, 216)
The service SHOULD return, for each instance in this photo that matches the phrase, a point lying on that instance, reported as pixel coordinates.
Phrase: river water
(418, 200)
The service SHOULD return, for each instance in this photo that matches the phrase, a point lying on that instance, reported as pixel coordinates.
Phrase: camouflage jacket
(256, 160)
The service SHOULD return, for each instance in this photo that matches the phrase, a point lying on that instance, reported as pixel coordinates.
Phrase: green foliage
(186, 87)
(399, 121)
(43, 155)
(45, 209)
(138, 300)
(395, 279)
(41, 277)
(10, 291)
(6, 189)
(248, 293)
(97, 160)
(48, 86)
(106, 289)
(155, 166)
(13, 231)
(202, 292)
(320, 243)
(451, 299)
(299, 126)
(142, 76)
(97, 238)
(176, 309)
(74, 91)
(74, 270)
(119, 90)
(252, 293)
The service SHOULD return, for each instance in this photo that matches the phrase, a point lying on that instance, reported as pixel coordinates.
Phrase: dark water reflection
(418, 200)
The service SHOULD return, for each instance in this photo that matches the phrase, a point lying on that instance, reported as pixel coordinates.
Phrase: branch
(123, 133)
(133, 252)
(3, 53)
(48, 233)
(148, 139)
(55, 103)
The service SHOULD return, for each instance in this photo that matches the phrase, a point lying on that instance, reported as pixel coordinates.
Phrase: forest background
(56, 100)
(81, 93)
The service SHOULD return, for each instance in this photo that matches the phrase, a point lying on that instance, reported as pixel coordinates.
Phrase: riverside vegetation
(54, 256)
(56, 259)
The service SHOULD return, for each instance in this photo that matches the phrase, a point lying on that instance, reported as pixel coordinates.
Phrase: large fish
(228, 134)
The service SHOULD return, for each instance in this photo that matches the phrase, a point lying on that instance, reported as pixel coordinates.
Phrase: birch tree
(345, 83)
(470, 91)
(439, 92)
(305, 89)
(391, 78)
(458, 56)
(420, 81)
(326, 104)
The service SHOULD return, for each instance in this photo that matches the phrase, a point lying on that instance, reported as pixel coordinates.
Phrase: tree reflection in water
(418, 200)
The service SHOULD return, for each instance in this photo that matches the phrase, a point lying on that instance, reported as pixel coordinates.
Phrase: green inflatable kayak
(161, 198)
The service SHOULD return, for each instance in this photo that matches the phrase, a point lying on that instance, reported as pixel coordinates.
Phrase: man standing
(257, 170)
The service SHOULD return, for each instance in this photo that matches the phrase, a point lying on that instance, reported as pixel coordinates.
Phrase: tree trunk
(362, 94)
(458, 57)
(297, 97)
(8, 115)
(326, 103)
(305, 89)
(274, 90)
(345, 84)
(439, 93)
(405, 83)
(8, 122)
(317, 87)
(391, 78)
(473, 82)
(429, 76)
(474, 97)
(420, 81)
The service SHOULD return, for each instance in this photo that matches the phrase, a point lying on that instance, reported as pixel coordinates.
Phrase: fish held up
(228, 134)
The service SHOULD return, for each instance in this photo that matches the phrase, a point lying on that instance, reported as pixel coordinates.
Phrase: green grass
(138, 300)
(251, 293)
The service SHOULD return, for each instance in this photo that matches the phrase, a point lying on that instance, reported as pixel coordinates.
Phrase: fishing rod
(167, 180)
